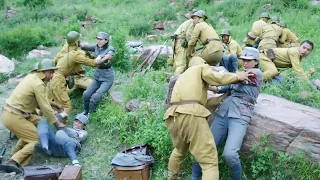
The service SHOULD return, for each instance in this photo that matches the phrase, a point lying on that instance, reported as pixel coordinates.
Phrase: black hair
(308, 42)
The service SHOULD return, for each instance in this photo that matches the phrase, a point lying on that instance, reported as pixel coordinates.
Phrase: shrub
(160, 62)
(37, 3)
(2, 4)
(164, 14)
(140, 28)
(3, 78)
(20, 40)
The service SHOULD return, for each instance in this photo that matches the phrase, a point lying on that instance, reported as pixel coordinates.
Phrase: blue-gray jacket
(243, 96)
(104, 71)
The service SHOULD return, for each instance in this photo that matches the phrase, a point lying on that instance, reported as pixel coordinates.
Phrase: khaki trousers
(192, 133)
(180, 59)
(268, 68)
(80, 82)
(267, 44)
(211, 58)
(26, 131)
(58, 90)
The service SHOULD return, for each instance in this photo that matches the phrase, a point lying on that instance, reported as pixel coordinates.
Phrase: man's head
(225, 36)
(47, 67)
(250, 58)
(305, 48)
(73, 38)
(80, 121)
(102, 38)
(265, 17)
(198, 15)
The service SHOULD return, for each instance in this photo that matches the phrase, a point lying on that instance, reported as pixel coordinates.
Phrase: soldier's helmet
(250, 53)
(225, 32)
(35, 67)
(283, 24)
(265, 15)
(200, 13)
(275, 19)
(82, 118)
(46, 64)
(72, 37)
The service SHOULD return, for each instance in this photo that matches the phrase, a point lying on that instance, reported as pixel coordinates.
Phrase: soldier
(179, 46)
(250, 41)
(270, 34)
(232, 51)
(234, 114)
(186, 118)
(275, 58)
(80, 79)
(20, 118)
(288, 38)
(212, 51)
(65, 67)
(103, 74)
(258, 25)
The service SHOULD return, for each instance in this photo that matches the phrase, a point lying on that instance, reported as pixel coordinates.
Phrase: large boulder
(36, 53)
(7, 66)
(291, 127)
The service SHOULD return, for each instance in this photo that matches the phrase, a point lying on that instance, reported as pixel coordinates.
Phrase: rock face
(38, 53)
(132, 105)
(117, 97)
(7, 65)
(292, 127)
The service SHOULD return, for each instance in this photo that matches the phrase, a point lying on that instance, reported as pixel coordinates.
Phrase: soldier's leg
(88, 93)
(20, 144)
(26, 131)
(236, 132)
(212, 58)
(180, 60)
(268, 67)
(60, 94)
(181, 146)
(203, 148)
(230, 62)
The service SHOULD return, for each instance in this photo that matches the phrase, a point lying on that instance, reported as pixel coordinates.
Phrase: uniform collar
(40, 75)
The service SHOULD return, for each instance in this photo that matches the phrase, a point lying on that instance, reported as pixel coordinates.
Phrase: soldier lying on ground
(20, 118)
(186, 117)
(234, 113)
(66, 142)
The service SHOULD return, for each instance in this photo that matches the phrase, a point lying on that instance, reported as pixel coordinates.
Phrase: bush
(2, 4)
(18, 41)
(121, 61)
(165, 14)
(3, 78)
(34, 4)
(140, 28)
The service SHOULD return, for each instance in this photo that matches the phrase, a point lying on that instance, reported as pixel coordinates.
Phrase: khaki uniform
(212, 52)
(58, 86)
(257, 27)
(187, 123)
(288, 39)
(80, 80)
(270, 36)
(180, 54)
(285, 58)
(27, 96)
(234, 48)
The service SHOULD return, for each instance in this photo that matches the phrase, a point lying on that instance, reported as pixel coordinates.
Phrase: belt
(249, 100)
(185, 102)
(213, 39)
(103, 67)
(24, 114)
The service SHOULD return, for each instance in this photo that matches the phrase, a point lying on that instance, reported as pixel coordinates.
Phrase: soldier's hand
(244, 75)
(60, 125)
(84, 44)
(213, 89)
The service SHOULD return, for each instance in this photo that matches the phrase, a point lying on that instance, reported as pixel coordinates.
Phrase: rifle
(142, 64)
(153, 60)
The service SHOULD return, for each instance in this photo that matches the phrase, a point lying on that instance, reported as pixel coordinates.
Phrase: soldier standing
(19, 114)
(234, 114)
(186, 119)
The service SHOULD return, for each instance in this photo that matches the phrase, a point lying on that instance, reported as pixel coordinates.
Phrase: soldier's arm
(82, 59)
(233, 48)
(217, 78)
(283, 37)
(43, 102)
(296, 65)
(88, 47)
(194, 36)
(109, 55)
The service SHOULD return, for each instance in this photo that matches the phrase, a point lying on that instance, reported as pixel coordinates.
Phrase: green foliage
(299, 4)
(3, 78)
(2, 4)
(266, 164)
(22, 39)
(164, 14)
(140, 28)
(161, 62)
(120, 59)
(33, 4)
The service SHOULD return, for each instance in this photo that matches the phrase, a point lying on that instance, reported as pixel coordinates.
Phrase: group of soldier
(267, 47)
(44, 92)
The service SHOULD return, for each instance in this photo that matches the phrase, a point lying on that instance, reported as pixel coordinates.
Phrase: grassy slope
(112, 121)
